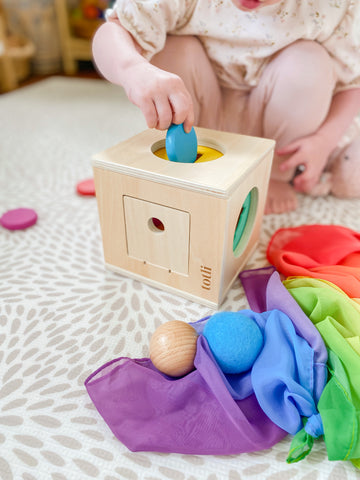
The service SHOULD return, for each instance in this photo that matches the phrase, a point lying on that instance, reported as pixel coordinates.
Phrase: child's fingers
(183, 111)
(164, 113)
(189, 121)
(150, 113)
(292, 162)
(287, 149)
(303, 183)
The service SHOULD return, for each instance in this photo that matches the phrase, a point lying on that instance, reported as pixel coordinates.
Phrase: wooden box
(176, 225)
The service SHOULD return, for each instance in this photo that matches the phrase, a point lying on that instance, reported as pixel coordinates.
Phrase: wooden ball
(173, 348)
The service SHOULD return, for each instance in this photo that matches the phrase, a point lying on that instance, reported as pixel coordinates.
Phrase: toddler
(287, 70)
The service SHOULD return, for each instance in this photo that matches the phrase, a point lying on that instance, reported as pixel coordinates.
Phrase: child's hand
(161, 96)
(312, 153)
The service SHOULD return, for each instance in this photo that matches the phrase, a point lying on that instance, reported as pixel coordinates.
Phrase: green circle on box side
(245, 222)
(181, 146)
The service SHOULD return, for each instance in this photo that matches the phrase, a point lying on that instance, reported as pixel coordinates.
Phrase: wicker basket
(20, 50)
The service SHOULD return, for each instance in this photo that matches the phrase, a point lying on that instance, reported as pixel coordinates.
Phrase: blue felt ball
(234, 339)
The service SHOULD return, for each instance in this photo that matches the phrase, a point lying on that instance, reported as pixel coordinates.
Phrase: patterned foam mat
(62, 315)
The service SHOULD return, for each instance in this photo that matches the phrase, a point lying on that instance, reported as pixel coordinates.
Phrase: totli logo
(206, 277)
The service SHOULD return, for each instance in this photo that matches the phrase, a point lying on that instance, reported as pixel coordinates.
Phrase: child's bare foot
(281, 197)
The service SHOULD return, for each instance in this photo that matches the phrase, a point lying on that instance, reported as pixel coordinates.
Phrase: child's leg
(291, 101)
(185, 56)
(294, 94)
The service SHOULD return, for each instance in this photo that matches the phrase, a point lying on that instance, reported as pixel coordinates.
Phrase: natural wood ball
(173, 348)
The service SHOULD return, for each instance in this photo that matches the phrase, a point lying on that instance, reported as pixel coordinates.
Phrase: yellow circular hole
(204, 154)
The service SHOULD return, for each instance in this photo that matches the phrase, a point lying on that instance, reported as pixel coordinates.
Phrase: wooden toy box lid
(218, 177)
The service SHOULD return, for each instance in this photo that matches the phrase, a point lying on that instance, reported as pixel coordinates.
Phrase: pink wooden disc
(19, 218)
(86, 187)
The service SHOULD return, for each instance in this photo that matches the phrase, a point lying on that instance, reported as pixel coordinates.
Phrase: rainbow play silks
(321, 253)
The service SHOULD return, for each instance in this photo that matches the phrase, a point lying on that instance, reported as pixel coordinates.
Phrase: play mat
(63, 317)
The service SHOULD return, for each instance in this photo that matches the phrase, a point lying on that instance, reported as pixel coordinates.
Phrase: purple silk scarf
(148, 411)
(204, 412)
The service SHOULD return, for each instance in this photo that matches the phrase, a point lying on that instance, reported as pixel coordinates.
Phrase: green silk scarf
(337, 317)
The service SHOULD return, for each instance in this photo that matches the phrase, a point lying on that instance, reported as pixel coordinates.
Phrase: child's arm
(161, 96)
(313, 151)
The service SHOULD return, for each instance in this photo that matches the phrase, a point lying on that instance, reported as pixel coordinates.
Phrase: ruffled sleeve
(344, 46)
(149, 21)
